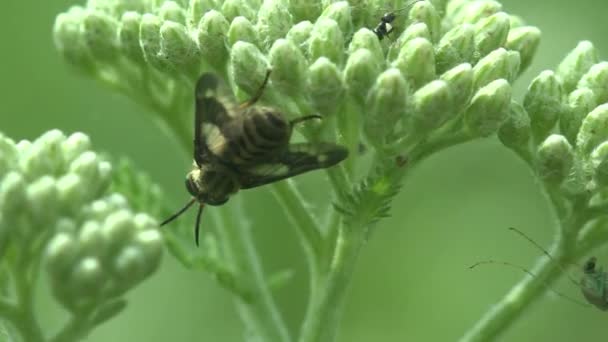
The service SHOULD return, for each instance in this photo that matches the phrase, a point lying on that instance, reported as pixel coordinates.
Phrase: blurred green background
(412, 281)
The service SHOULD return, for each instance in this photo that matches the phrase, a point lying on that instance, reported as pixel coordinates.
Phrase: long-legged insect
(593, 282)
(385, 27)
(244, 146)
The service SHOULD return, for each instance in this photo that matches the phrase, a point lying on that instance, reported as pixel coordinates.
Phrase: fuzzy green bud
(178, 48)
(100, 33)
(128, 36)
(554, 159)
(499, 63)
(489, 108)
(117, 230)
(248, 66)
(340, 12)
(543, 102)
(69, 40)
(360, 73)
(289, 67)
(417, 30)
(580, 103)
(86, 281)
(273, 21)
(416, 61)
(433, 106)
(61, 252)
(196, 10)
(172, 11)
(72, 191)
(514, 133)
(74, 145)
(460, 81)
(516, 21)
(326, 40)
(42, 198)
(149, 39)
(92, 171)
(576, 64)
(325, 86)
(8, 155)
(234, 8)
(491, 33)
(594, 129)
(424, 12)
(13, 196)
(299, 34)
(524, 40)
(386, 102)
(599, 164)
(44, 156)
(242, 30)
(212, 31)
(366, 39)
(596, 79)
(455, 47)
(473, 11)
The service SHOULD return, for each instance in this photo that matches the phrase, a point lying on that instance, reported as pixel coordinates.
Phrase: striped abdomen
(256, 137)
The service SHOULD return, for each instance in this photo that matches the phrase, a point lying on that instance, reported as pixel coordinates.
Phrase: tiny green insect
(593, 283)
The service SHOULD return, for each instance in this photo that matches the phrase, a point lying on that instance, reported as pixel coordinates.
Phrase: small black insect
(385, 27)
(244, 146)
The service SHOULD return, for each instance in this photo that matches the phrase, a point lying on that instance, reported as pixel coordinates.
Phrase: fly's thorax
(266, 126)
(212, 184)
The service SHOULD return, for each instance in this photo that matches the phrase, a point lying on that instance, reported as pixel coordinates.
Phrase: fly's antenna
(528, 272)
(181, 211)
(545, 252)
(197, 226)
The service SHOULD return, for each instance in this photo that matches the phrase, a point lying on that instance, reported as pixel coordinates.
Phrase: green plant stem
(77, 328)
(261, 315)
(504, 314)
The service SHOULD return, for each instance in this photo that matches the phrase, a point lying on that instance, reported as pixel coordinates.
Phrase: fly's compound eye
(191, 187)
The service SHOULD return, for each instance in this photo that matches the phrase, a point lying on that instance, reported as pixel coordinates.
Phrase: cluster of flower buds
(443, 62)
(54, 198)
(562, 124)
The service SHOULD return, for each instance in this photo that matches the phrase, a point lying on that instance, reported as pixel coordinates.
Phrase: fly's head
(210, 185)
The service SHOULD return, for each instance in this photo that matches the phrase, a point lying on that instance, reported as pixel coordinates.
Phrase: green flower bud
(543, 102)
(360, 73)
(576, 64)
(86, 281)
(118, 230)
(289, 67)
(61, 253)
(516, 21)
(8, 155)
(170, 10)
(489, 108)
(234, 8)
(500, 63)
(212, 31)
(42, 197)
(44, 156)
(69, 40)
(128, 36)
(386, 103)
(100, 33)
(599, 162)
(554, 159)
(594, 129)
(433, 106)
(424, 12)
(366, 39)
(340, 12)
(596, 79)
(242, 29)
(460, 81)
(72, 192)
(416, 62)
(150, 243)
(101, 209)
(177, 46)
(273, 21)
(514, 133)
(116, 8)
(196, 10)
(13, 196)
(326, 40)
(524, 40)
(149, 40)
(91, 170)
(74, 145)
(473, 11)
(417, 30)
(91, 239)
(455, 47)
(580, 103)
(249, 66)
(325, 86)
(130, 266)
(491, 33)
(299, 35)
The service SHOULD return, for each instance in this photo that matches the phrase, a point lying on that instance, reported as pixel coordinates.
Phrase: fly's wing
(210, 115)
(296, 159)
